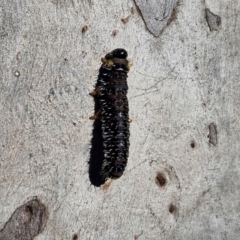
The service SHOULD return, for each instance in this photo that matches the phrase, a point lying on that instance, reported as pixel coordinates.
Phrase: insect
(111, 94)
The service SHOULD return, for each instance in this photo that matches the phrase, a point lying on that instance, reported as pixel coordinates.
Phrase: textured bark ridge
(213, 20)
(212, 134)
(156, 14)
(26, 222)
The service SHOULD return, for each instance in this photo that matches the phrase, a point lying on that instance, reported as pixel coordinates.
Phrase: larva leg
(97, 115)
(95, 92)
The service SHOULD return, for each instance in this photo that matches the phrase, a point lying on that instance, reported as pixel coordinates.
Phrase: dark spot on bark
(214, 21)
(74, 124)
(212, 134)
(27, 221)
(84, 54)
(172, 208)
(85, 28)
(51, 91)
(126, 19)
(138, 235)
(75, 236)
(29, 209)
(114, 33)
(17, 56)
(161, 179)
(193, 144)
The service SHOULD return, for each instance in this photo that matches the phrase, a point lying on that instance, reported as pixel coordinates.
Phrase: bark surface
(183, 177)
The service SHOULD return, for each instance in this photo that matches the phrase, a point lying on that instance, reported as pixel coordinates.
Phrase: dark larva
(111, 92)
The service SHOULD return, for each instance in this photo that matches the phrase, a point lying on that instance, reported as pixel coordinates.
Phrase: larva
(111, 94)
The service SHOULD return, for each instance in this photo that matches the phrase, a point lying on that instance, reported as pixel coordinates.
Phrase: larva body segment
(111, 92)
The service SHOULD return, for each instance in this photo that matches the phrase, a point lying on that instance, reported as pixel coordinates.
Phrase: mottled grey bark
(28, 221)
(178, 184)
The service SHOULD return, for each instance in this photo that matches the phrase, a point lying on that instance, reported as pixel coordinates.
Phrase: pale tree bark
(182, 180)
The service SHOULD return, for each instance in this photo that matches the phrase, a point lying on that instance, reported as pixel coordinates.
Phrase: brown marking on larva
(212, 134)
(114, 33)
(65, 59)
(192, 144)
(84, 28)
(107, 184)
(126, 19)
(109, 63)
(75, 236)
(172, 208)
(161, 179)
(74, 124)
(121, 61)
(27, 221)
(213, 20)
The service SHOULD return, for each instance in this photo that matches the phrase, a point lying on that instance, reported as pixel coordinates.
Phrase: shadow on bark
(96, 153)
